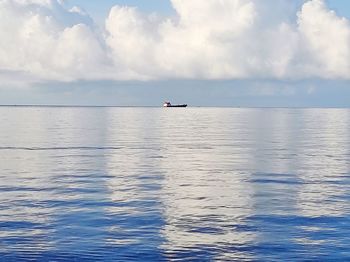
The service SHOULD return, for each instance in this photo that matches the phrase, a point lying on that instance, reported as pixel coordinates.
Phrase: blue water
(154, 184)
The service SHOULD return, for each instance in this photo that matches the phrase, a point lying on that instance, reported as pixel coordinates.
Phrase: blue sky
(340, 6)
(101, 8)
(221, 93)
(104, 5)
(214, 53)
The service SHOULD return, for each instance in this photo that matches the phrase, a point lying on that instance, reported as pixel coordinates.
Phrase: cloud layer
(226, 39)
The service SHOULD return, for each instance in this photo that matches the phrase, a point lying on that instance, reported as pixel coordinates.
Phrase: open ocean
(166, 184)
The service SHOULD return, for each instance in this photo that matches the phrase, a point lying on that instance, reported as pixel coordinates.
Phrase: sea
(174, 184)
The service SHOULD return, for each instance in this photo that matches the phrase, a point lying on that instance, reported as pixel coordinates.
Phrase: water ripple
(59, 148)
(146, 184)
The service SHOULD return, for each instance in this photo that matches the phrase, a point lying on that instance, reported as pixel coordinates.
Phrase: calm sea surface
(154, 184)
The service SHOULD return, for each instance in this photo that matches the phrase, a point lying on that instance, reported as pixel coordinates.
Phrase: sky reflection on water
(156, 184)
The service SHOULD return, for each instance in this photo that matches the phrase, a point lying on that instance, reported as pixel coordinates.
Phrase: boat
(168, 104)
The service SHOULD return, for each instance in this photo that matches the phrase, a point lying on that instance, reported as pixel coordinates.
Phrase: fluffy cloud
(41, 38)
(325, 40)
(206, 40)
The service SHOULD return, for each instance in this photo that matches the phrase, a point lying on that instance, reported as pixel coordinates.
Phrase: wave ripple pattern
(195, 184)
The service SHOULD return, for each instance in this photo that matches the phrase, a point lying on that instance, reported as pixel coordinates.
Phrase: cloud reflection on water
(152, 183)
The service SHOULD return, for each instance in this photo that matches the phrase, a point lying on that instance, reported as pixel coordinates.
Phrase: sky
(272, 53)
(100, 9)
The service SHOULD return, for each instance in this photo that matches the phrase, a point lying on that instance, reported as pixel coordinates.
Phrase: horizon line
(155, 106)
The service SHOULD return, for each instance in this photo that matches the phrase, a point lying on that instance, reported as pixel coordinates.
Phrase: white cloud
(42, 38)
(206, 40)
(325, 40)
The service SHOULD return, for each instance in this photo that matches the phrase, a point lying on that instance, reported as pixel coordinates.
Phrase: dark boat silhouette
(168, 104)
